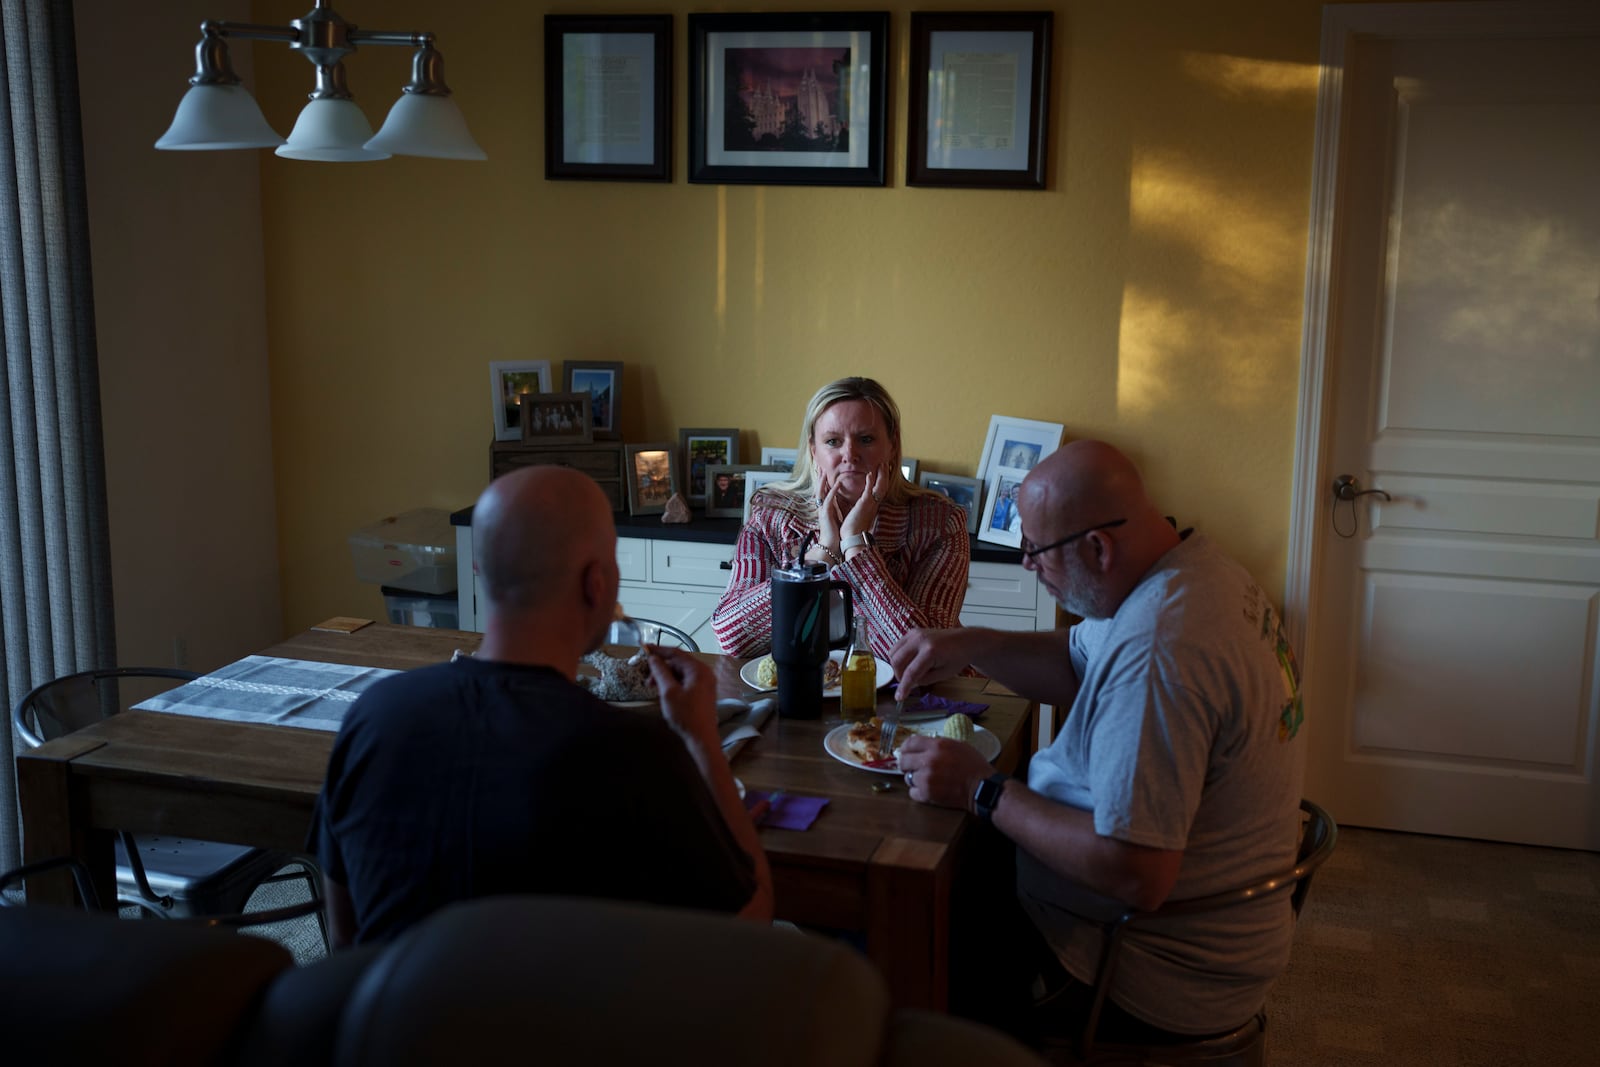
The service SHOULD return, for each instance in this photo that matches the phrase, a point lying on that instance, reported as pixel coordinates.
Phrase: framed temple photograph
(702, 449)
(725, 490)
(788, 98)
(980, 92)
(1019, 443)
(556, 419)
(603, 382)
(652, 474)
(1002, 523)
(509, 382)
(754, 479)
(968, 492)
(780, 458)
(608, 97)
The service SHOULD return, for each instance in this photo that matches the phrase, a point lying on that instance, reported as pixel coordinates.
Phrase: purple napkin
(933, 702)
(790, 812)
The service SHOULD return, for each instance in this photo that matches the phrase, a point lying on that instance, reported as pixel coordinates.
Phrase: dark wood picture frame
(694, 489)
(974, 157)
(643, 475)
(729, 505)
(556, 419)
(641, 40)
(603, 381)
(747, 137)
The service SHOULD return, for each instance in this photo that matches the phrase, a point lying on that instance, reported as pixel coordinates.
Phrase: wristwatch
(857, 541)
(988, 795)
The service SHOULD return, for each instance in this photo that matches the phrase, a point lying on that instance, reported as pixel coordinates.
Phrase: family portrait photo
(705, 448)
(555, 418)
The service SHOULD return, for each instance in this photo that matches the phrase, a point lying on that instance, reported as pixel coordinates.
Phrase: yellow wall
(1151, 296)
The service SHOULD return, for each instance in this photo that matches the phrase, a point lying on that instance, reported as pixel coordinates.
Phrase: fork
(891, 723)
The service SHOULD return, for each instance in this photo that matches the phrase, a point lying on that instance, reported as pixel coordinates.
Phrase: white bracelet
(860, 540)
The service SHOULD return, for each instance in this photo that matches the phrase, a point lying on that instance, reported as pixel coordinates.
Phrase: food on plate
(831, 672)
(620, 679)
(863, 740)
(767, 673)
(957, 727)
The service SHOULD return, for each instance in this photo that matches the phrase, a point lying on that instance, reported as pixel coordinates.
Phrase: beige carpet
(1421, 950)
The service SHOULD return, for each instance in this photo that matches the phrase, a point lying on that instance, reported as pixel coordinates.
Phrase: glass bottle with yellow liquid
(858, 683)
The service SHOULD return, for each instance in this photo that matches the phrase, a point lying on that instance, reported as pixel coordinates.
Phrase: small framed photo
(1002, 523)
(556, 419)
(725, 490)
(980, 91)
(608, 97)
(603, 383)
(788, 98)
(754, 479)
(652, 477)
(703, 449)
(908, 467)
(1019, 443)
(509, 382)
(968, 492)
(782, 459)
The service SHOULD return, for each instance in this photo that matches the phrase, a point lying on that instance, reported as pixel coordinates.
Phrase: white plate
(747, 674)
(837, 744)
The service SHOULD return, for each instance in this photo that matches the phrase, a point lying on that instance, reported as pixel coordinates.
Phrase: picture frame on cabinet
(908, 468)
(780, 458)
(556, 419)
(725, 490)
(602, 380)
(1002, 523)
(788, 98)
(959, 59)
(701, 449)
(509, 382)
(608, 97)
(653, 476)
(1013, 442)
(967, 492)
(755, 478)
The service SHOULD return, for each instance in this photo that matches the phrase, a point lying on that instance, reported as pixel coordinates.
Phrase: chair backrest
(665, 634)
(74, 701)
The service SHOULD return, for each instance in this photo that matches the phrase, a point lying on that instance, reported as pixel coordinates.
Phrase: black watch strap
(988, 795)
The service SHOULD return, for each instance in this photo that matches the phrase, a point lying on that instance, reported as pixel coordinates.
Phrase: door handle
(1348, 487)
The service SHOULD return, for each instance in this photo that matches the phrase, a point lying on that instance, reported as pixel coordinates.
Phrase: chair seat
(201, 877)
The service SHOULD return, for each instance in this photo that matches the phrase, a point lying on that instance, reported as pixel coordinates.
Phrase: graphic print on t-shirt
(1260, 612)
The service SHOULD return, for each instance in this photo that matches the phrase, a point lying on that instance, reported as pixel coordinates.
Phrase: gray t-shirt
(1182, 736)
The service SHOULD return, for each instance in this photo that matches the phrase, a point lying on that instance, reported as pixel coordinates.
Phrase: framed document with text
(608, 97)
(980, 86)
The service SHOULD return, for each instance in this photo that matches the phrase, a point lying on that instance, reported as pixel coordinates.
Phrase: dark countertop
(726, 532)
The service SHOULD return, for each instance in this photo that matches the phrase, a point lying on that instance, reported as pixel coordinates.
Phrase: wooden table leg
(908, 921)
(53, 825)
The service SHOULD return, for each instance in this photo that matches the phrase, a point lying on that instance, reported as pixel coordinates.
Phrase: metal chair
(164, 876)
(1244, 1046)
(666, 634)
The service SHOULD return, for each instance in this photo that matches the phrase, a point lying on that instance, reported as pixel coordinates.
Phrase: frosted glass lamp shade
(331, 130)
(215, 117)
(422, 124)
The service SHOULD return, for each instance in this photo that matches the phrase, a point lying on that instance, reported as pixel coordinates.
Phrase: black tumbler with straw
(801, 637)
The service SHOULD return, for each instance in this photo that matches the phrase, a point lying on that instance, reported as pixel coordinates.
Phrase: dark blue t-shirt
(476, 778)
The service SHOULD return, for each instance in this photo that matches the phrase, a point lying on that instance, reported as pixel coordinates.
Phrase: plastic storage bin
(414, 551)
(439, 610)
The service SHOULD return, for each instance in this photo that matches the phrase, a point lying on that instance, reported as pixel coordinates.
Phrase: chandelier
(218, 113)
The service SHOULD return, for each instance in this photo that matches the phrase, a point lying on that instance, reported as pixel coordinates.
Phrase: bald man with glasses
(1177, 770)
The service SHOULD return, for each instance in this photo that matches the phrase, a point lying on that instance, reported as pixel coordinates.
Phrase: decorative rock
(677, 509)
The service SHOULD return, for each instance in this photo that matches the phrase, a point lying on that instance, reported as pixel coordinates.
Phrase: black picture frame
(775, 147)
(638, 50)
(966, 150)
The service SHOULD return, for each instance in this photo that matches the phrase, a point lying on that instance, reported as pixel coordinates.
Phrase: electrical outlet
(180, 652)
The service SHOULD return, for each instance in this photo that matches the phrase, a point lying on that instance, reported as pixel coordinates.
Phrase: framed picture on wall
(509, 382)
(788, 98)
(1001, 522)
(779, 458)
(754, 479)
(980, 91)
(652, 473)
(702, 449)
(556, 419)
(725, 490)
(1019, 443)
(608, 97)
(968, 492)
(603, 383)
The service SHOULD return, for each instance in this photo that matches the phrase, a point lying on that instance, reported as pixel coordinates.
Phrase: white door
(1450, 628)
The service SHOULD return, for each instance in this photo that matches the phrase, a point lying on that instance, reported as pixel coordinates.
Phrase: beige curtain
(55, 561)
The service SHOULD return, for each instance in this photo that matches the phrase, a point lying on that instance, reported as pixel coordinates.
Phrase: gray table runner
(284, 692)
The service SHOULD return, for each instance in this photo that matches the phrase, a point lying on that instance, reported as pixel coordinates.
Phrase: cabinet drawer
(690, 563)
(1002, 585)
(633, 559)
(994, 620)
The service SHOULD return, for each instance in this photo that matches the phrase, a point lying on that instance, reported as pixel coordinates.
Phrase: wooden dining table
(875, 865)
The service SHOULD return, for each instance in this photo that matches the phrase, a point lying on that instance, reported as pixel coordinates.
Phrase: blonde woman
(903, 550)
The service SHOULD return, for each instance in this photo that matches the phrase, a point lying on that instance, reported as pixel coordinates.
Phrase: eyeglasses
(1030, 550)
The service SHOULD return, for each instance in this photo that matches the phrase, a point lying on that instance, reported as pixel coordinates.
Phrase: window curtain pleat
(55, 559)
